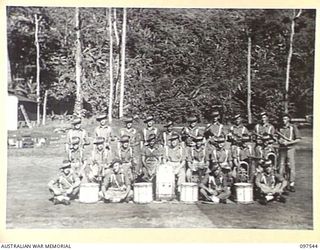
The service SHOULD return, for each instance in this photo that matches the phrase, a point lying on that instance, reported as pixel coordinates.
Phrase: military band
(214, 158)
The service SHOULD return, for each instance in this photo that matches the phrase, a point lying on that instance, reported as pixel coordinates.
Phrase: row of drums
(143, 193)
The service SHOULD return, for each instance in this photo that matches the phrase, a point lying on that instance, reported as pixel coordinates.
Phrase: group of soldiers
(214, 157)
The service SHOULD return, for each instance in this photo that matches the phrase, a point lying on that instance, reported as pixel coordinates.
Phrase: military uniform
(116, 187)
(189, 133)
(196, 162)
(288, 152)
(76, 132)
(175, 156)
(270, 184)
(75, 155)
(214, 187)
(265, 127)
(126, 156)
(151, 158)
(65, 186)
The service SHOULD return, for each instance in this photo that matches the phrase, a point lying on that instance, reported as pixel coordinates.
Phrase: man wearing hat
(264, 126)
(196, 160)
(168, 133)
(214, 186)
(65, 185)
(215, 129)
(150, 129)
(243, 156)
(75, 155)
(100, 162)
(237, 131)
(129, 131)
(125, 154)
(77, 131)
(116, 184)
(175, 156)
(270, 185)
(152, 157)
(103, 130)
(289, 136)
(189, 133)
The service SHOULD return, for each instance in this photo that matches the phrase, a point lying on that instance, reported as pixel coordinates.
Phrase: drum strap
(238, 153)
(243, 129)
(113, 177)
(62, 178)
(269, 129)
(291, 133)
(215, 155)
(226, 159)
(165, 139)
(220, 129)
(192, 153)
(145, 134)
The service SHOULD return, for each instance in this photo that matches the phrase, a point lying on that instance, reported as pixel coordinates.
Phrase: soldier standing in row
(129, 131)
(264, 126)
(103, 130)
(189, 133)
(77, 131)
(215, 129)
(150, 129)
(175, 156)
(289, 136)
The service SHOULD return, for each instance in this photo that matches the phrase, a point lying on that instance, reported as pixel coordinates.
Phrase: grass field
(29, 171)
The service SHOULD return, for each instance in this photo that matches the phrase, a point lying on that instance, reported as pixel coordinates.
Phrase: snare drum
(244, 193)
(189, 192)
(142, 192)
(89, 193)
(165, 182)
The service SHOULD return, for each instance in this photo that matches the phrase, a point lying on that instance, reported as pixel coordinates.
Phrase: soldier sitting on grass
(65, 186)
(116, 185)
(214, 186)
(270, 186)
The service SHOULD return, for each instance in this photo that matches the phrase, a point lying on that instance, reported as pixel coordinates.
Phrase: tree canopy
(178, 61)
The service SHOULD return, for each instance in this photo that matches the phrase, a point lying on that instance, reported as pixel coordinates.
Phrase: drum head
(142, 184)
(242, 184)
(189, 184)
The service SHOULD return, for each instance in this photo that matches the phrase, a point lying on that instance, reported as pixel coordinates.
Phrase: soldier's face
(193, 124)
(285, 120)
(150, 123)
(238, 120)
(66, 171)
(264, 118)
(100, 146)
(268, 169)
(198, 143)
(169, 128)
(152, 142)
(125, 144)
(216, 172)
(116, 167)
(221, 144)
(129, 124)
(103, 122)
(215, 118)
(75, 146)
(174, 143)
(77, 126)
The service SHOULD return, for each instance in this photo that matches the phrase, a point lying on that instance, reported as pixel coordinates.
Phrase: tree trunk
(286, 93)
(44, 113)
(38, 66)
(110, 65)
(78, 104)
(123, 58)
(249, 82)
(117, 59)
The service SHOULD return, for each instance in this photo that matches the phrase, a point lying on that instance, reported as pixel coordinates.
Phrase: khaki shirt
(239, 130)
(81, 133)
(196, 154)
(291, 132)
(265, 128)
(125, 155)
(176, 154)
(215, 129)
(104, 132)
(65, 182)
(149, 131)
(116, 180)
(131, 133)
(101, 157)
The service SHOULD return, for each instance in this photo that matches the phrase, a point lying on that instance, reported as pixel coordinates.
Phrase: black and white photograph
(123, 117)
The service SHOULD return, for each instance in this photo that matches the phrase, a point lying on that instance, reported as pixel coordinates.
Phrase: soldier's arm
(105, 183)
(204, 182)
(258, 180)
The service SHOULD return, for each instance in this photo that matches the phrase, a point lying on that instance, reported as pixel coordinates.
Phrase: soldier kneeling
(65, 186)
(116, 185)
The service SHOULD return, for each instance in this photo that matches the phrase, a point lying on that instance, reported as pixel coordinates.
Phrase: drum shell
(243, 193)
(189, 192)
(165, 182)
(89, 193)
(142, 192)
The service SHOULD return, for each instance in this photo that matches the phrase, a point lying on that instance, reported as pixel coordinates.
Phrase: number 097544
(308, 246)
